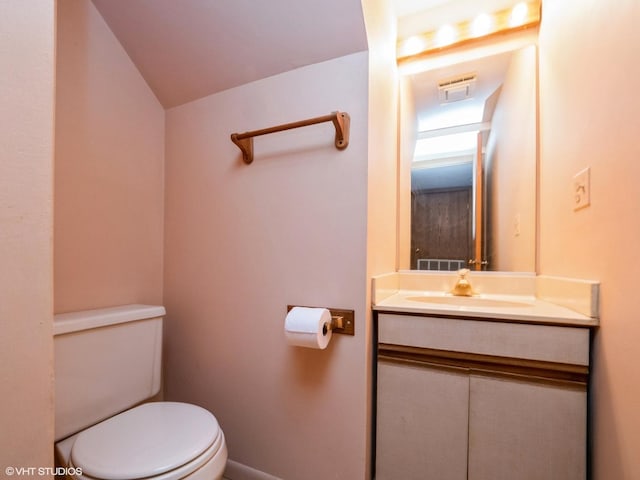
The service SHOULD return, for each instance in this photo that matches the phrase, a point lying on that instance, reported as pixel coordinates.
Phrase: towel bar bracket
(341, 122)
(246, 147)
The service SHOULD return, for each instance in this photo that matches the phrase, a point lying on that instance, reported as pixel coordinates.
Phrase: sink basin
(468, 301)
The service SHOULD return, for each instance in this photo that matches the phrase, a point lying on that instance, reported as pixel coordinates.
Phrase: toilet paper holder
(342, 321)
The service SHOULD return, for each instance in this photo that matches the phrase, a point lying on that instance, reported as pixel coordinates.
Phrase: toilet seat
(162, 440)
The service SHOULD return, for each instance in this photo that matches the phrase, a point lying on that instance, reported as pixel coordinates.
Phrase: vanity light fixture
(523, 16)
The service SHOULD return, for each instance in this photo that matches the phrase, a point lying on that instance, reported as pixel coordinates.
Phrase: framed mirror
(468, 150)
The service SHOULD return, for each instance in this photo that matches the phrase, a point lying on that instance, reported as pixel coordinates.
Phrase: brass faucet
(462, 287)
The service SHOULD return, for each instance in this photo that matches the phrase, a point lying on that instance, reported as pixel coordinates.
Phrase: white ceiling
(490, 73)
(187, 49)
(409, 7)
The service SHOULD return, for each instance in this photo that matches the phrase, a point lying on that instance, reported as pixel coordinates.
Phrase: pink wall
(512, 156)
(242, 242)
(589, 104)
(27, 42)
(382, 235)
(108, 170)
(291, 228)
(382, 158)
(408, 132)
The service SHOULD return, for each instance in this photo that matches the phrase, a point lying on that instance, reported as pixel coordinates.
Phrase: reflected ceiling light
(518, 14)
(481, 25)
(445, 146)
(464, 113)
(525, 15)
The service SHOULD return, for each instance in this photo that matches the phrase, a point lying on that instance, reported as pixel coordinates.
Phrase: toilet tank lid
(86, 319)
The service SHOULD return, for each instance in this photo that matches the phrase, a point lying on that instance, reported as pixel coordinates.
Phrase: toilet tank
(106, 361)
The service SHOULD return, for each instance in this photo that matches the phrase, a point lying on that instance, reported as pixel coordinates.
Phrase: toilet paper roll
(304, 327)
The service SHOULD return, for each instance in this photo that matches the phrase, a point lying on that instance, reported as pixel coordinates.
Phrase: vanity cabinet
(422, 421)
(479, 399)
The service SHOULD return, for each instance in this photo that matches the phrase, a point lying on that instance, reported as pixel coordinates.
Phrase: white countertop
(516, 308)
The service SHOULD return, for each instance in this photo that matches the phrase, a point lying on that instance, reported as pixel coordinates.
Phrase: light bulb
(481, 25)
(446, 35)
(413, 45)
(518, 14)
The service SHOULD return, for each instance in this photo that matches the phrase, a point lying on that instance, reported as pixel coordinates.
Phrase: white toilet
(106, 362)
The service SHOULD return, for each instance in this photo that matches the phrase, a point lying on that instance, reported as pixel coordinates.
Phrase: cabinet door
(526, 431)
(422, 422)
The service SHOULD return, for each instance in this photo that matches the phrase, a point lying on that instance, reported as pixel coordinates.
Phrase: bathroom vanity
(487, 387)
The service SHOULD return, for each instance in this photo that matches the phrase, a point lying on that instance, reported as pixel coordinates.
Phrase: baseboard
(238, 471)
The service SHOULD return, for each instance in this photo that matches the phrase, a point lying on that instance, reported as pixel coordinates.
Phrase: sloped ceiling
(187, 49)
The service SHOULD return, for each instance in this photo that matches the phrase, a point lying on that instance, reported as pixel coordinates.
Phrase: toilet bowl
(151, 441)
(159, 441)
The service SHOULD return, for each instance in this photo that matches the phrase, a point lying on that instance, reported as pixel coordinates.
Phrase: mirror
(469, 140)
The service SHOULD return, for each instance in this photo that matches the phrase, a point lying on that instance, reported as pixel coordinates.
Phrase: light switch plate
(581, 189)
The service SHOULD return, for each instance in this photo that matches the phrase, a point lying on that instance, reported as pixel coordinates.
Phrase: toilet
(107, 362)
